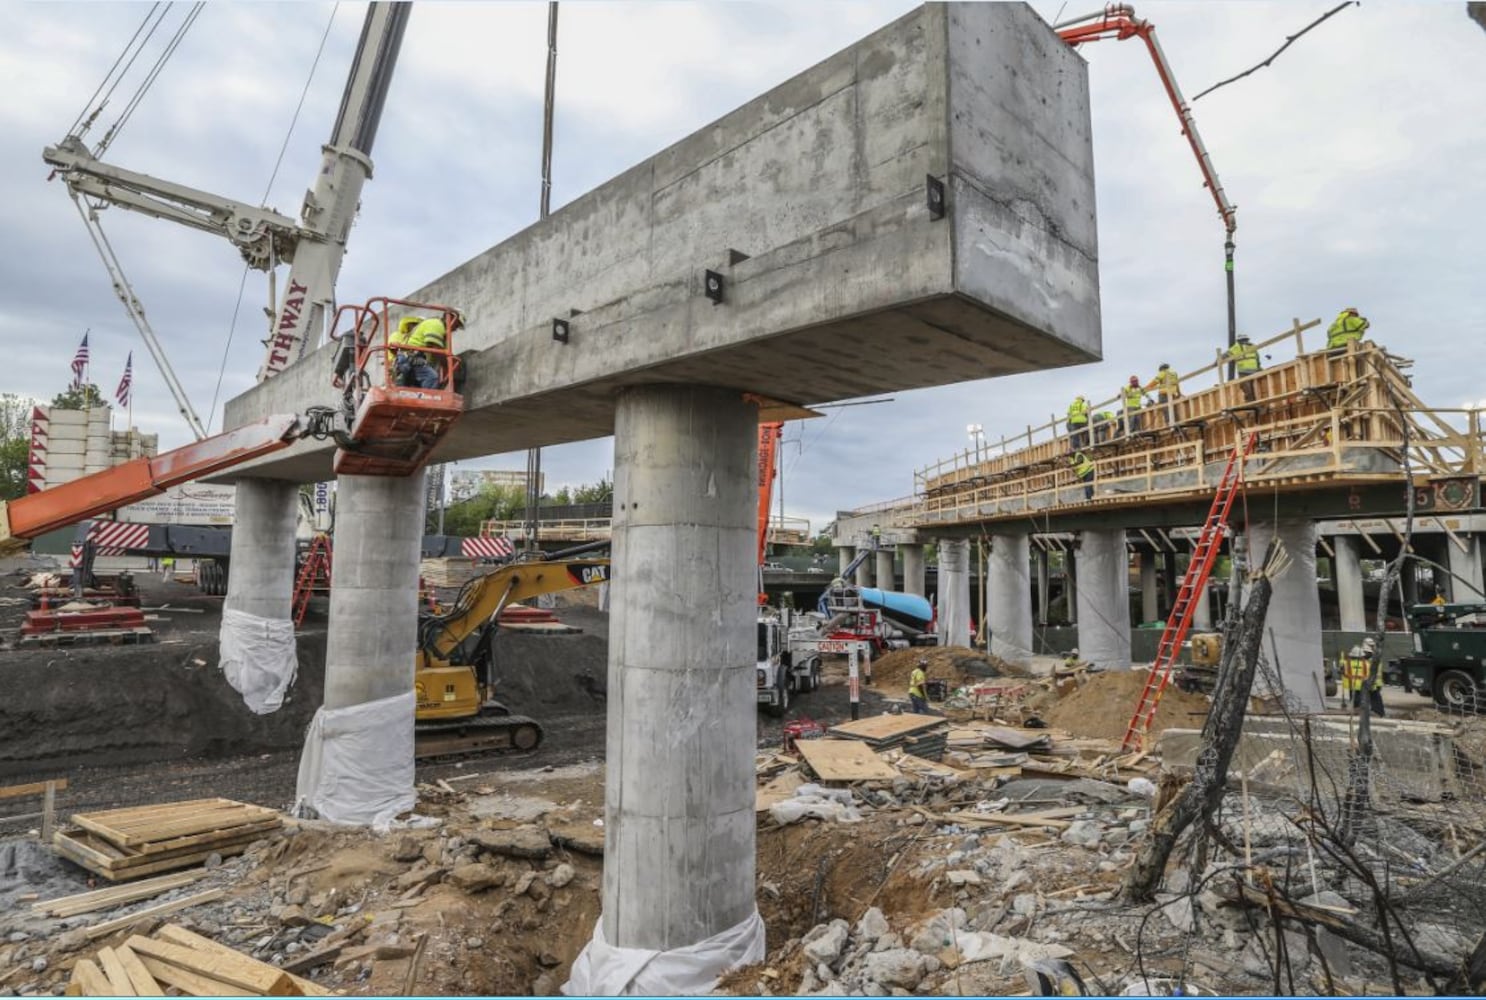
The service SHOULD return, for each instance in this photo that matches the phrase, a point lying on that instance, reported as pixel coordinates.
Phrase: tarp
(601, 969)
(357, 766)
(258, 658)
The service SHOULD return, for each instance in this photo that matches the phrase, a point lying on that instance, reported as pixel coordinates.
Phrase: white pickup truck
(787, 664)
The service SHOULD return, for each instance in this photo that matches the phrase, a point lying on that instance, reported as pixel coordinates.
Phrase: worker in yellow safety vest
(1357, 677)
(1131, 397)
(426, 342)
(1245, 358)
(1078, 423)
(1167, 384)
(918, 688)
(1347, 328)
(1083, 471)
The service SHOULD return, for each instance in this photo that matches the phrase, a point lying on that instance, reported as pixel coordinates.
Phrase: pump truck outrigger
(388, 430)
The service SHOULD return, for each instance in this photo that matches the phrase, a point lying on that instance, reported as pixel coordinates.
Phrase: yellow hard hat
(407, 323)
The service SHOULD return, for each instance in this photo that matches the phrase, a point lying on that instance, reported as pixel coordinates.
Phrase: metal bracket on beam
(712, 286)
(560, 330)
(934, 192)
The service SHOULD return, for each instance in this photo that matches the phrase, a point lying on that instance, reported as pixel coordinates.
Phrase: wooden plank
(84, 853)
(139, 977)
(176, 934)
(88, 980)
(31, 788)
(190, 984)
(235, 970)
(142, 834)
(87, 902)
(845, 760)
(194, 840)
(150, 912)
(118, 979)
(885, 727)
(1054, 818)
(777, 790)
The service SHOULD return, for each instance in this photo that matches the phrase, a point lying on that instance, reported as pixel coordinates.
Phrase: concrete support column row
(1103, 605)
(1009, 598)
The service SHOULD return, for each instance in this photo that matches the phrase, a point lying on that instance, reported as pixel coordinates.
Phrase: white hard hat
(1073, 651)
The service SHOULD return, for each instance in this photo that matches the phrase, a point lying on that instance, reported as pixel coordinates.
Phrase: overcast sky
(1356, 161)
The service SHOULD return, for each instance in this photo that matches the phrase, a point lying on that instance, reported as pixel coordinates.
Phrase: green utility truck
(1449, 661)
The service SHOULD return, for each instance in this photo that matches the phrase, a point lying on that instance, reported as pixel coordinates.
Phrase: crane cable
(97, 108)
(284, 148)
(149, 81)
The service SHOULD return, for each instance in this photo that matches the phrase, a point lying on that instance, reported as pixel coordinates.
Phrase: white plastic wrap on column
(1103, 599)
(258, 658)
(601, 969)
(1009, 598)
(357, 765)
(1292, 627)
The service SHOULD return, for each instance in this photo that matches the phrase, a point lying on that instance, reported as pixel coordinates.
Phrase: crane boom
(768, 454)
(1118, 21)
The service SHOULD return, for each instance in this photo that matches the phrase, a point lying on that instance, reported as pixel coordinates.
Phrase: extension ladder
(1199, 567)
(313, 575)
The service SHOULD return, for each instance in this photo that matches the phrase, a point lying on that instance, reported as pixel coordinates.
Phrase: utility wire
(243, 284)
(72, 129)
(1289, 41)
(149, 81)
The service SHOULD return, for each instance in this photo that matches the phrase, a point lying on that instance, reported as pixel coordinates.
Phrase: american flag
(80, 363)
(122, 392)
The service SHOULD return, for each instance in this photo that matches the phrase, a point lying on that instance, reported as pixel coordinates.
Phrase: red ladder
(313, 575)
(1199, 567)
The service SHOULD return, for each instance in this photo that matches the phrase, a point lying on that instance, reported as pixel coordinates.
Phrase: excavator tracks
(487, 733)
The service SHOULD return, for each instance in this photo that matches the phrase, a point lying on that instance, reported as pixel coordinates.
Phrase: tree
(595, 493)
(492, 503)
(15, 444)
(74, 398)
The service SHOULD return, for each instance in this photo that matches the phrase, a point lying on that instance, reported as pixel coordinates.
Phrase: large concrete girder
(850, 287)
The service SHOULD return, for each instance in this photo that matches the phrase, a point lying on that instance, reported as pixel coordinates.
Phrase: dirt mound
(545, 675)
(1101, 708)
(947, 663)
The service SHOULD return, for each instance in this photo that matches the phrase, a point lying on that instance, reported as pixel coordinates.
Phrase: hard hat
(1073, 651)
(457, 318)
(1350, 309)
(1369, 645)
(1355, 651)
(923, 661)
(1135, 380)
(1243, 338)
(407, 323)
(1163, 367)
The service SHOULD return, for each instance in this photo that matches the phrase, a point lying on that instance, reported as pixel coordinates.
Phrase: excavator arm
(130, 482)
(484, 597)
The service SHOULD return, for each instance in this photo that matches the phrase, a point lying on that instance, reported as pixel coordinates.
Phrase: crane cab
(395, 423)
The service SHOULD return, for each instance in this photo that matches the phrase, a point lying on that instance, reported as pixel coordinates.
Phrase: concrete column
(1202, 609)
(1103, 601)
(374, 590)
(1173, 579)
(1070, 585)
(1042, 563)
(1150, 604)
(679, 792)
(844, 555)
(260, 584)
(954, 592)
(1347, 568)
(885, 579)
(1009, 598)
(1294, 618)
(866, 570)
(1409, 578)
(913, 569)
(1465, 564)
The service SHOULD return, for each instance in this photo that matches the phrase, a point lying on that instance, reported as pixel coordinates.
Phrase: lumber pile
(193, 965)
(921, 735)
(124, 844)
(447, 571)
(115, 895)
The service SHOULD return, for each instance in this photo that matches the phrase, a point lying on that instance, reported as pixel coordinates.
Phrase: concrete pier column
(1070, 585)
(866, 570)
(844, 555)
(1150, 604)
(1465, 564)
(357, 765)
(1041, 562)
(1173, 579)
(885, 579)
(1347, 568)
(1294, 618)
(679, 792)
(954, 591)
(1202, 608)
(1009, 598)
(1408, 578)
(1103, 599)
(256, 638)
(913, 569)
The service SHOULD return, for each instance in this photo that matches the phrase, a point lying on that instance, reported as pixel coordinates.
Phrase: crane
(1118, 21)
(313, 246)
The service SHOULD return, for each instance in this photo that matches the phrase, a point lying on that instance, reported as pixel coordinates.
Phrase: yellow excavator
(454, 674)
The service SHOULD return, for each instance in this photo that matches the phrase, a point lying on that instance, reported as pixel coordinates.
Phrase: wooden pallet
(122, 844)
(193, 965)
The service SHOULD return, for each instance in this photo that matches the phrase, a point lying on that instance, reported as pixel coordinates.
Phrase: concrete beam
(820, 186)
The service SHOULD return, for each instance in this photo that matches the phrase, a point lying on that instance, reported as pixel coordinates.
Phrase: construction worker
(1131, 397)
(918, 688)
(1078, 423)
(1439, 599)
(397, 343)
(1103, 422)
(1356, 678)
(1347, 328)
(1166, 385)
(1070, 659)
(426, 369)
(167, 569)
(876, 537)
(1245, 358)
(1083, 471)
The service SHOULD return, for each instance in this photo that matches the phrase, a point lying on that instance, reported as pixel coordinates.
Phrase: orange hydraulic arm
(768, 456)
(1118, 21)
(133, 481)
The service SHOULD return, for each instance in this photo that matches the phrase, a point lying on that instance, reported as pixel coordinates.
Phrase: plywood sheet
(845, 760)
(887, 727)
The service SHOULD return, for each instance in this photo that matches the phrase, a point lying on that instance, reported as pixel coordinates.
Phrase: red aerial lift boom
(1118, 21)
